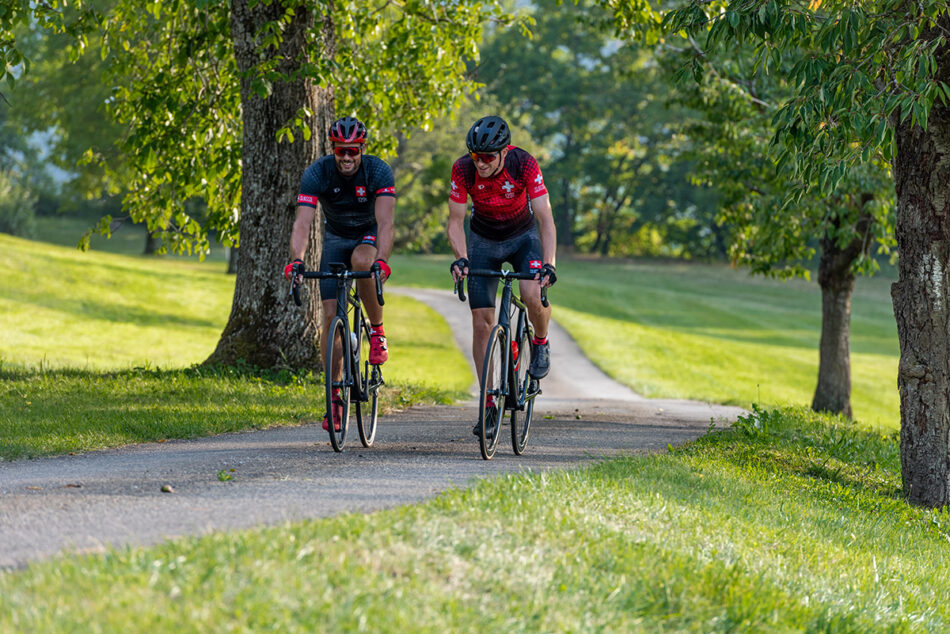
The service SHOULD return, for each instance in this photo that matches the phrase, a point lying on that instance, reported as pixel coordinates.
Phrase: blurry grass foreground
(788, 521)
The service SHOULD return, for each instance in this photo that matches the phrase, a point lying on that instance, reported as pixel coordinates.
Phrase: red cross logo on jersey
(361, 191)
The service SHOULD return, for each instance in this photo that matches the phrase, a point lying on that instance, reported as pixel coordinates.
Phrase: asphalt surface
(90, 502)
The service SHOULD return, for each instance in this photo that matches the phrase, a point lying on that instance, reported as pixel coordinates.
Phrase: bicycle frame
(344, 339)
(515, 397)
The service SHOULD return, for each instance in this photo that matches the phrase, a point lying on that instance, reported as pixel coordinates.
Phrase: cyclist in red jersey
(357, 194)
(511, 222)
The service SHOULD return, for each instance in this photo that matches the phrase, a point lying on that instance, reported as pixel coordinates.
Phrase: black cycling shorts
(339, 249)
(523, 252)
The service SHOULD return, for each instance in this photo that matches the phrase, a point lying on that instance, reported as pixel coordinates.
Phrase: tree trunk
(921, 296)
(265, 329)
(152, 243)
(232, 260)
(833, 392)
(564, 217)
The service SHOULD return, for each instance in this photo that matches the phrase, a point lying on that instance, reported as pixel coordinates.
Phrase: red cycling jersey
(500, 204)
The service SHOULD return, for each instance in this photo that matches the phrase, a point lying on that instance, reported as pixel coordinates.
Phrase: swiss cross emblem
(454, 186)
(507, 187)
(361, 191)
(537, 179)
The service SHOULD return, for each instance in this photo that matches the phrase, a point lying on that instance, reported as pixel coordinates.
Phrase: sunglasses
(484, 158)
(347, 151)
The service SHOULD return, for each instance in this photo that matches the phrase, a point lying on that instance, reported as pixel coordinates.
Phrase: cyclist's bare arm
(300, 236)
(542, 211)
(385, 207)
(456, 229)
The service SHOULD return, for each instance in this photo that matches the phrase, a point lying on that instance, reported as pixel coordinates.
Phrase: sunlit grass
(95, 351)
(787, 522)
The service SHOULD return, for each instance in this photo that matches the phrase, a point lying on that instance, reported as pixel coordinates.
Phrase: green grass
(95, 351)
(128, 239)
(787, 522)
(711, 333)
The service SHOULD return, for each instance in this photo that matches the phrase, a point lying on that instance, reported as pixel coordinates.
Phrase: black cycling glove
(462, 263)
(548, 271)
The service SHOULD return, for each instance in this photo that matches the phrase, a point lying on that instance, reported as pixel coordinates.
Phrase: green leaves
(861, 64)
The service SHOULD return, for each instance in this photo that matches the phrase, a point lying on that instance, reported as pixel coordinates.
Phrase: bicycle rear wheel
(370, 381)
(521, 420)
(494, 377)
(339, 391)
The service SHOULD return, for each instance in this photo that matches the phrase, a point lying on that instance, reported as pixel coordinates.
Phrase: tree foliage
(867, 66)
(735, 104)
(395, 65)
(596, 112)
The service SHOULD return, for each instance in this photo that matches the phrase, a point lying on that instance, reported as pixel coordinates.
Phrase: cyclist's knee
(531, 296)
(363, 257)
(483, 319)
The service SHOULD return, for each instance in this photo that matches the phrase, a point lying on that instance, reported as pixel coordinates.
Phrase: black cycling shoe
(540, 360)
(490, 415)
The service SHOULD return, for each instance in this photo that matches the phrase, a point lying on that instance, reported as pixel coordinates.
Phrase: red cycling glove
(292, 268)
(383, 266)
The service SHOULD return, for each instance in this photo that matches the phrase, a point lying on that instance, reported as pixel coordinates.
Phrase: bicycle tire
(520, 429)
(339, 338)
(494, 379)
(369, 389)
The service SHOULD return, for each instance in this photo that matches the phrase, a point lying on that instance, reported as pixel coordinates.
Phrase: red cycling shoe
(378, 350)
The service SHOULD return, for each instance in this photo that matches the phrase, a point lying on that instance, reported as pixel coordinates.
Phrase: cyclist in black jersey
(511, 222)
(358, 196)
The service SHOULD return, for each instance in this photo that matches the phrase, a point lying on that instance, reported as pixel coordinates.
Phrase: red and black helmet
(488, 134)
(347, 130)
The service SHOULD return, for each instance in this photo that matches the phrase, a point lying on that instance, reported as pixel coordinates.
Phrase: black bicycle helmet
(347, 130)
(488, 134)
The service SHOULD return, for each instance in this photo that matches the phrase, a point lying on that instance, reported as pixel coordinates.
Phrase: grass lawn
(712, 333)
(96, 351)
(786, 522)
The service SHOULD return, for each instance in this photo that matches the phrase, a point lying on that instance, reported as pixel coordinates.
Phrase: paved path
(91, 501)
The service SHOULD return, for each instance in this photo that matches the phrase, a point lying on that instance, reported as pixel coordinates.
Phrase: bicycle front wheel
(338, 391)
(370, 381)
(521, 420)
(491, 402)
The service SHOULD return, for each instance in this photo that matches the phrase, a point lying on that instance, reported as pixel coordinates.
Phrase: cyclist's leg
(329, 312)
(482, 321)
(363, 256)
(335, 249)
(528, 258)
(483, 254)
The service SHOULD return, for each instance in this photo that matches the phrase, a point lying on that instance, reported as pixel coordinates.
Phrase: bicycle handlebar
(342, 275)
(460, 285)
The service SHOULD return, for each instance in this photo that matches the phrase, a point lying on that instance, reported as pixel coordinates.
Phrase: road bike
(349, 342)
(505, 380)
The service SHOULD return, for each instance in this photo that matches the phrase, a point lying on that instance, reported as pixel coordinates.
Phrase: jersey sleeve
(310, 188)
(381, 179)
(459, 192)
(534, 182)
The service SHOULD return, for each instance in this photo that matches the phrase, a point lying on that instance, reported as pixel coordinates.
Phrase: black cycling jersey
(348, 202)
